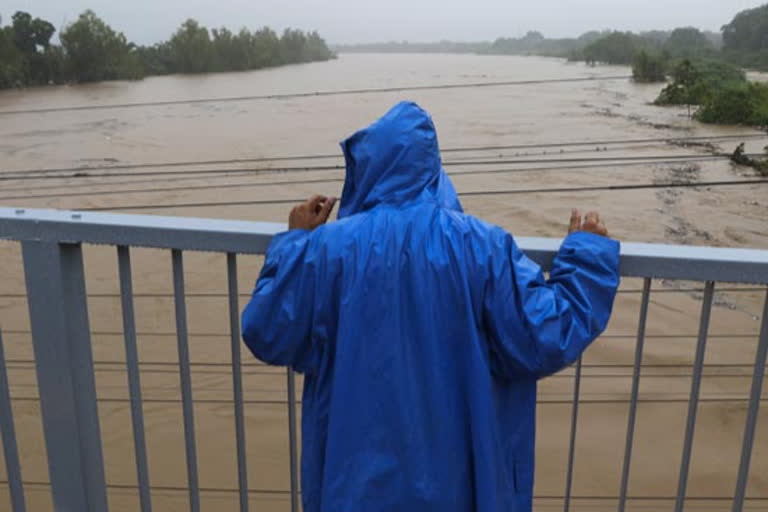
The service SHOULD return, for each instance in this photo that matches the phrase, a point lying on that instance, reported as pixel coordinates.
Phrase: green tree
(748, 31)
(745, 38)
(91, 51)
(614, 48)
(225, 49)
(745, 103)
(32, 37)
(156, 59)
(94, 51)
(192, 49)
(688, 43)
(11, 60)
(265, 48)
(649, 68)
(292, 44)
(316, 49)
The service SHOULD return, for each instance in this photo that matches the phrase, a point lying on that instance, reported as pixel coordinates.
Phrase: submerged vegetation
(720, 91)
(740, 157)
(91, 50)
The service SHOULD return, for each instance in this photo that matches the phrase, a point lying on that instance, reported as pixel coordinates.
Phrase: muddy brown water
(550, 113)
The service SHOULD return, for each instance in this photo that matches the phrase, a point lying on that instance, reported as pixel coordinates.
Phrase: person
(421, 332)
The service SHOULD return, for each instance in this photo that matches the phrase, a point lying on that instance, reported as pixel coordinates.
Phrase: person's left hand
(312, 213)
(593, 223)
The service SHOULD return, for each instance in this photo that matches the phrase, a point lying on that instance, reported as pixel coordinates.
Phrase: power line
(225, 175)
(232, 161)
(310, 94)
(310, 168)
(251, 184)
(81, 181)
(551, 190)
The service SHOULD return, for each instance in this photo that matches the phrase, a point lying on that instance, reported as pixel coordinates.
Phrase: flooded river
(613, 124)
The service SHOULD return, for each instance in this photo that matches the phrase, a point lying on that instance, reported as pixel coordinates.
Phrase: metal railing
(51, 243)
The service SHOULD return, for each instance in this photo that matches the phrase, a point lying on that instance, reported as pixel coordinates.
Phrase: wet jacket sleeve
(277, 321)
(536, 326)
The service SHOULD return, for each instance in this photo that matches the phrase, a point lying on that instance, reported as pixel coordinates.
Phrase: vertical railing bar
(572, 446)
(12, 466)
(237, 380)
(134, 380)
(293, 447)
(186, 380)
(752, 412)
(690, 427)
(635, 391)
(58, 312)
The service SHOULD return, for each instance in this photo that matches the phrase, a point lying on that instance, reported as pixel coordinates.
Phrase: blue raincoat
(421, 332)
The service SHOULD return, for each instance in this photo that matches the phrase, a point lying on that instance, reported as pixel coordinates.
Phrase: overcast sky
(348, 21)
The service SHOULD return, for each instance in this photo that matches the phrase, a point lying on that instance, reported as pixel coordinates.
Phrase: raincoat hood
(395, 161)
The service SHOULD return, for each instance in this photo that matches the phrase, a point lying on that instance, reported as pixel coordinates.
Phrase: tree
(745, 38)
(701, 82)
(748, 31)
(649, 68)
(686, 76)
(292, 45)
(30, 33)
(225, 49)
(745, 104)
(91, 51)
(11, 60)
(156, 59)
(94, 51)
(615, 48)
(316, 49)
(265, 46)
(688, 43)
(192, 49)
(32, 37)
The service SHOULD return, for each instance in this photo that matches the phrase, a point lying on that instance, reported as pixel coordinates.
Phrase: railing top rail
(637, 259)
(186, 233)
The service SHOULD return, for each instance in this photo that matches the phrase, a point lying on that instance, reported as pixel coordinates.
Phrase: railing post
(237, 380)
(134, 380)
(185, 378)
(754, 406)
(572, 443)
(693, 401)
(58, 313)
(293, 449)
(8, 434)
(634, 393)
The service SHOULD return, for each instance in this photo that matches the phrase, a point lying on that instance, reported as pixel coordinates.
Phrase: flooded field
(604, 132)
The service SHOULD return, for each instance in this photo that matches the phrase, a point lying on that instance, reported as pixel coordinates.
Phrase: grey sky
(345, 21)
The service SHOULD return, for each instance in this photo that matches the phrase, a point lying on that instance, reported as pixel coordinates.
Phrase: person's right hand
(592, 223)
(311, 213)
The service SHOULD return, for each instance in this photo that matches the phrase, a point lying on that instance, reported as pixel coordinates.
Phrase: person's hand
(592, 223)
(312, 213)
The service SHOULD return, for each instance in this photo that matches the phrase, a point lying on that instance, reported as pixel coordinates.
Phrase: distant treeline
(743, 41)
(92, 51)
(534, 43)
(407, 47)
